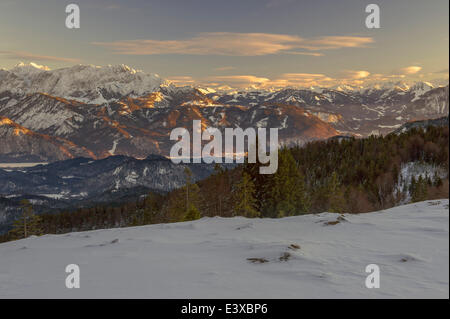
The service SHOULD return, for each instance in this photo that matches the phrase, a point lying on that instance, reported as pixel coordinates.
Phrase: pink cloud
(236, 44)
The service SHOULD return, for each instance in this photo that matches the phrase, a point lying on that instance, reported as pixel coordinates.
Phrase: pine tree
(286, 188)
(245, 202)
(152, 205)
(188, 176)
(192, 214)
(336, 195)
(437, 181)
(219, 188)
(419, 189)
(183, 201)
(260, 183)
(27, 224)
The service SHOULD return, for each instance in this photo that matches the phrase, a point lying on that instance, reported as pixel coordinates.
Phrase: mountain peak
(422, 85)
(24, 68)
(124, 68)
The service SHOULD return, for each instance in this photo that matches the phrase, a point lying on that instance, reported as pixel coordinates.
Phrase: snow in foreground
(208, 258)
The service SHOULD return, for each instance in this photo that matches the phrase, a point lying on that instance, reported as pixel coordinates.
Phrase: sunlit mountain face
(96, 112)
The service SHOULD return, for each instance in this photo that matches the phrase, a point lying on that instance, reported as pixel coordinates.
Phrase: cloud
(20, 55)
(444, 71)
(236, 44)
(224, 68)
(305, 53)
(356, 78)
(252, 81)
(395, 76)
(410, 70)
(238, 80)
(301, 80)
(182, 80)
(280, 81)
(294, 80)
(303, 77)
(218, 43)
(355, 75)
(336, 42)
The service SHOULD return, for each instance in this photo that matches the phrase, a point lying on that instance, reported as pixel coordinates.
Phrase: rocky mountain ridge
(97, 112)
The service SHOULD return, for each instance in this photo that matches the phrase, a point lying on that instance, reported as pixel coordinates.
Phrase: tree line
(349, 175)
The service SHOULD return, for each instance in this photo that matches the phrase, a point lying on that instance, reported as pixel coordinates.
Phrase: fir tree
(192, 214)
(27, 224)
(286, 188)
(419, 189)
(336, 195)
(181, 202)
(437, 181)
(245, 202)
(219, 188)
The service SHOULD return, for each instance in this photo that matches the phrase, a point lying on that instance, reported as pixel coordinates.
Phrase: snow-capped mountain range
(96, 112)
(84, 83)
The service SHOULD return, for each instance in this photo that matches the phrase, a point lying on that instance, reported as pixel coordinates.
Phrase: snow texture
(310, 256)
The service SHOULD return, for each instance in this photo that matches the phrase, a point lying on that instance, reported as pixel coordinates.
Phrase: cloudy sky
(240, 43)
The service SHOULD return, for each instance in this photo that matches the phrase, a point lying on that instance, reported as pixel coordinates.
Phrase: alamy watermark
(73, 17)
(212, 152)
(373, 19)
(373, 279)
(73, 277)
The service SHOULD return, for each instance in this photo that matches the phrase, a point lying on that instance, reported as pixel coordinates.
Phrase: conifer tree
(219, 188)
(188, 176)
(286, 193)
(437, 181)
(245, 202)
(419, 189)
(186, 200)
(152, 205)
(192, 214)
(336, 195)
(27, 224)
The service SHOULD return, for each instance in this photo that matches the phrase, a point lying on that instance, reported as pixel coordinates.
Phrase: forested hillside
(339, 175)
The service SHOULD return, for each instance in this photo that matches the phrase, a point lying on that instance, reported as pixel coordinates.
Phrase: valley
(116, 110)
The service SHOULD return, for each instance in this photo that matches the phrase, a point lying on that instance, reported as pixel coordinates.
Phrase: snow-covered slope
(308, 256)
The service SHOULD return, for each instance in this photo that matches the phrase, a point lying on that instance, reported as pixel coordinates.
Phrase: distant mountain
(84, 83)
(84, 178)
(97, 112)
(374, 110)
(82, 182)
(442, 121)
(20, 143)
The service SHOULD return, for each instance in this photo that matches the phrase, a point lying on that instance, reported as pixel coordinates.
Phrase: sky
(245, 43)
